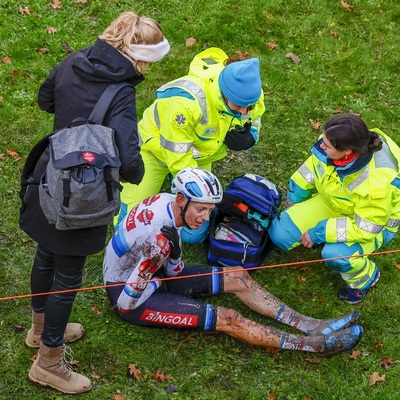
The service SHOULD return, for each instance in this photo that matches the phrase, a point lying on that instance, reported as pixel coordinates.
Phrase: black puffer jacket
(70, 91)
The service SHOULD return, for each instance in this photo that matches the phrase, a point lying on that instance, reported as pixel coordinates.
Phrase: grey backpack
(80, 187)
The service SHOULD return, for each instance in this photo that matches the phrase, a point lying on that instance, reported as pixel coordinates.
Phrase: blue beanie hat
(240, 82)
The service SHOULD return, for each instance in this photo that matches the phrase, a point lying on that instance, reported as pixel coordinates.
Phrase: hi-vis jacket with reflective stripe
(187, 123)
(364, 195)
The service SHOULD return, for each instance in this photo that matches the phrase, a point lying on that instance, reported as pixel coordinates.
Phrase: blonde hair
(128, 28)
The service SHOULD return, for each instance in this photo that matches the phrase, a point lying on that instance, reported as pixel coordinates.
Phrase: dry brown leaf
(73, 362)
(338, 110)
(14, 154)
(1, 99)
(96, 310)
(334, 33)
(95, 376)
(302, 269)
(313, 360)
(376, 378)
(135, 372)
(191, 42)
(81, 1)
(161, 377)
(43, 50)
(305, 397)
(6, 60)
(24, 10)
(242, 55)
(386, 363)
(398, 266)
(347, 6)
(272, 45)
(301, 278)
(378, 346)
(271, 396)
(354, 355)
(293, 57)
(55, 4)
(315, 125)
(50, 30)
(2, 157)
(119, 397)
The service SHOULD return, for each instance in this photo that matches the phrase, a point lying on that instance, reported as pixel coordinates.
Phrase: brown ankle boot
(73, 331)
(51, 369)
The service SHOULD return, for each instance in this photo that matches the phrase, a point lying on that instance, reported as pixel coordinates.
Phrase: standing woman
(356, 210)
(120, 54)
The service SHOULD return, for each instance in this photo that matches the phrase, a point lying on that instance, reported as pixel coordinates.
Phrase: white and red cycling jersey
(138, 249)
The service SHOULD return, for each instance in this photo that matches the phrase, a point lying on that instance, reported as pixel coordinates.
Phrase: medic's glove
(172, 235)
(240, 138)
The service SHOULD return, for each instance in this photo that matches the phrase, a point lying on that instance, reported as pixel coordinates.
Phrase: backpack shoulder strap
(103, 104)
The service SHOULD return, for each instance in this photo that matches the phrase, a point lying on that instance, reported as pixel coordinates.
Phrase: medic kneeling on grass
(146, 247)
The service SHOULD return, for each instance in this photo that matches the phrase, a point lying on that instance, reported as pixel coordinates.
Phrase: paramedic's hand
(240, 138)
(305, 240)
(172, 235)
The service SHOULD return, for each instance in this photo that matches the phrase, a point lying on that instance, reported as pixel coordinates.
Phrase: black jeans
(51, 273)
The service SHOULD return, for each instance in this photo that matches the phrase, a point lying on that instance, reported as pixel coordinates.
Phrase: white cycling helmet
(197, 185)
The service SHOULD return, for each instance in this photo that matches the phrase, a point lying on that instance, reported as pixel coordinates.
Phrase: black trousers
(51, 273)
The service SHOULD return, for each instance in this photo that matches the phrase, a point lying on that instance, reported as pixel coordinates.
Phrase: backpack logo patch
(88, 156)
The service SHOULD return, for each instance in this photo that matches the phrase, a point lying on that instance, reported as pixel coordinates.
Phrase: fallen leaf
(43, 50)
(55, 4)
(398, 266)
(1, 99)
(24, 10)
(338, 110)
(50, 30)
(81, 1)
(119, 397)
(191, 41)
(378, 346)
(347, 6)
(376, 378)
(301, 278)
(6, 60)
(95, 376)
(242, 55)
(96, 310)
(386, 363)
(354, 355)
(73, 362)
(293, 57)
(2, 157)
(272, 45)
(305, 397)
(315, 125)
(161, 377)
(334, 33)
(14, 154)
(313, 360)
(302, 269)
(67, 48)
(135, 372)
(271, 396)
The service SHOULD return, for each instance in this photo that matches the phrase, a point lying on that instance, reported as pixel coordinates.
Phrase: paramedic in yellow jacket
(356, 210)
(195, 118)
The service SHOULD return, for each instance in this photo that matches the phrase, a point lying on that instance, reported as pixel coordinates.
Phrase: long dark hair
(349, 131)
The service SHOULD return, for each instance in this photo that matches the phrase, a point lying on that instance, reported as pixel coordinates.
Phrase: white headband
(148, 52)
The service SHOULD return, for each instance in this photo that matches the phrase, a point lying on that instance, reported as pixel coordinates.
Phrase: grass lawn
(318, 57)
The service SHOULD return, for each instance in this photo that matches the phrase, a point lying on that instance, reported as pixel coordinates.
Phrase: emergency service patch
(180, 120)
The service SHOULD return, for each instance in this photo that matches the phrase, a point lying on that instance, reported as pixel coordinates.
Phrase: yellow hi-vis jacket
(187, 123)
(365, 195)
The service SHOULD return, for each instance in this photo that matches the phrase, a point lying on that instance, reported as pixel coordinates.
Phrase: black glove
(240, 138)
(172, 235)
